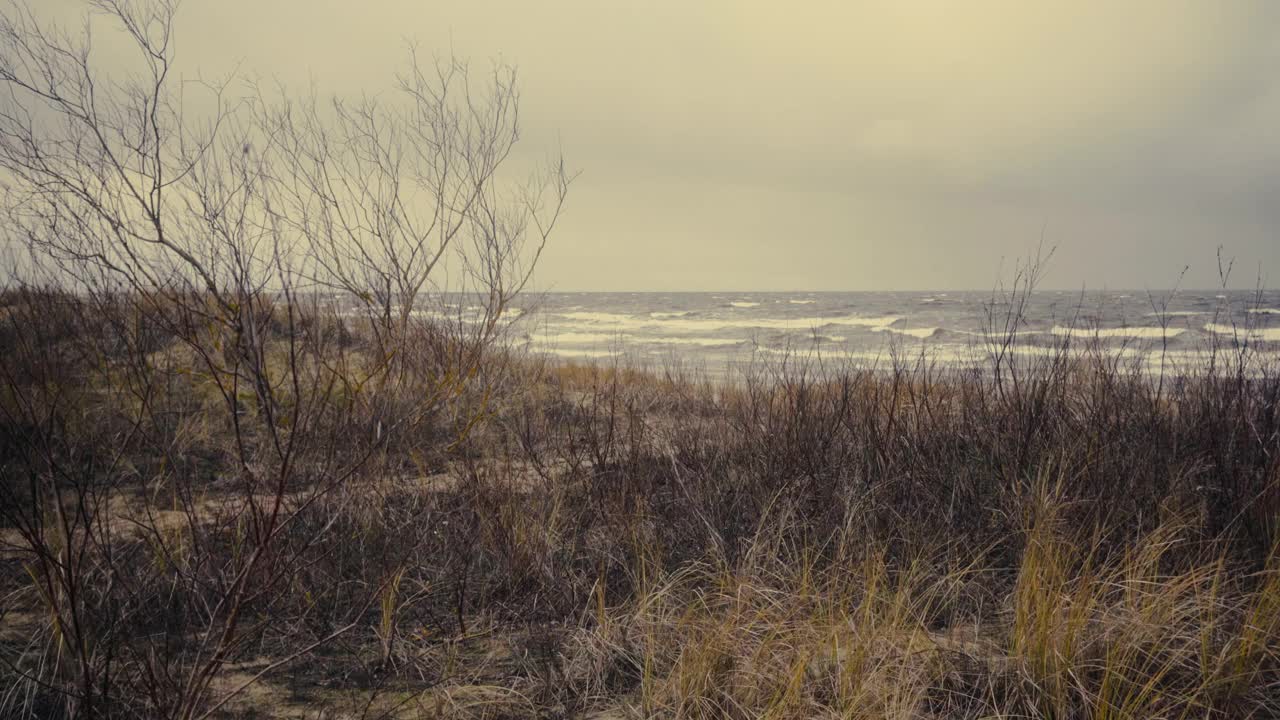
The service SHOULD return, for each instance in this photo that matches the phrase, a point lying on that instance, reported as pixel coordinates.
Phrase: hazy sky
(745, 144)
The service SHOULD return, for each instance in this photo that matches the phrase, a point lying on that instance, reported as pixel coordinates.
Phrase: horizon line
(913, 290)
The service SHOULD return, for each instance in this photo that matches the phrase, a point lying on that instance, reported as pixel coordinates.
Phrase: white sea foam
(789, 323)
(952, 355)
(682, 325)
(744, 304)
(1265, 311)
(664, 315)
(922, 333)
(600, 317)
(869, 356)
(561, 339)
(579, 338)
(1177, 313)
(1253, 335)
(700, 341)
(1122, 332)
(572, 352)
(802, 302)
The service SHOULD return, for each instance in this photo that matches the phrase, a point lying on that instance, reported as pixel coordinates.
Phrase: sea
(1155, 331)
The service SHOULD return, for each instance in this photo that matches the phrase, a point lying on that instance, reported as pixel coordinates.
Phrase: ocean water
(718, 330)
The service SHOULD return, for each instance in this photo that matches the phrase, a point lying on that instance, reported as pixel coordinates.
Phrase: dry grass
(570, 541)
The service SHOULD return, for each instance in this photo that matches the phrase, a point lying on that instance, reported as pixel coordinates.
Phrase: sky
(855, 145)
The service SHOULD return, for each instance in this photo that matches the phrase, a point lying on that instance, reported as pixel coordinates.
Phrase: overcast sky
(750, 144)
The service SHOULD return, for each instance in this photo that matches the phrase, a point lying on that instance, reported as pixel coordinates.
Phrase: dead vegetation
(259, 457)
(806, 541)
